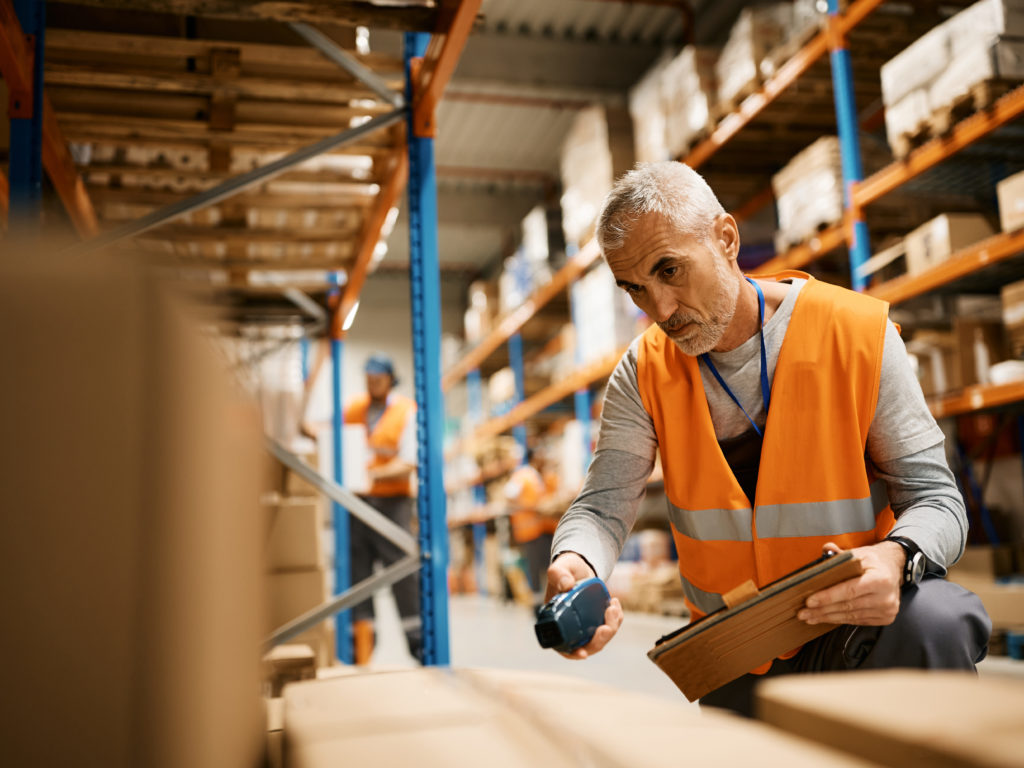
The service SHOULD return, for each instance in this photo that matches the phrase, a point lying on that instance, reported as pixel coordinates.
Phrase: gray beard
(709, 333)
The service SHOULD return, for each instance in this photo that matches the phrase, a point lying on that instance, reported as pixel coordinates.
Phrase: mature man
(789, 422)
(391, 438)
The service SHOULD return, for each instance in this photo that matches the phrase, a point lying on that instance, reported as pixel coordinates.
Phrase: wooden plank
(184, 233)
(398, 175)
(202, 175)
(801, 255)
(412, 17)
(153, 47)
(16, 71)
(151, 199)
(281, 89)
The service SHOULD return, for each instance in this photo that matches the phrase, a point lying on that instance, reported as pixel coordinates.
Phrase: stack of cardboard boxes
(294, 551)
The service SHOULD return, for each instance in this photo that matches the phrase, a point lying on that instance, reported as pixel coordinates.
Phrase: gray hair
(671, 189)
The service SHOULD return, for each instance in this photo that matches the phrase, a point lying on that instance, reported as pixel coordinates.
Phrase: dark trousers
(940, 625)
(537, 554)
(369, 547)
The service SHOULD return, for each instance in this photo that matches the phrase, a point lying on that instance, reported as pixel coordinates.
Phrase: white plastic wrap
(983, 60)
(606, 319)
(757, 31)
(688, 92)
(984, 21)
(586, 173)
(916, 65)
(648, 109)
(907, 115)
(809, 191)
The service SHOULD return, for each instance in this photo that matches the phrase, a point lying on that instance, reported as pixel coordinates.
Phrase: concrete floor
(489, 633)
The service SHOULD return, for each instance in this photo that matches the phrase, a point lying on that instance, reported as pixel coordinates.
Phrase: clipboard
(754, 627)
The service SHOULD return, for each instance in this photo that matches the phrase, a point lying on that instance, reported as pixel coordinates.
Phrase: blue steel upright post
(581, 397)
(342, 540)
(425, 300)
(849, 143)
(25, 168)
(515, 362)
(474, 389)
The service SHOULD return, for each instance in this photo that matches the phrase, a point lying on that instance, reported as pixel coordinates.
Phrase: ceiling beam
(420, 18)
(445, 48)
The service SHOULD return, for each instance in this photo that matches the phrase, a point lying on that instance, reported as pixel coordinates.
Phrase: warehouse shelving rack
(37, 142)
(852, 232)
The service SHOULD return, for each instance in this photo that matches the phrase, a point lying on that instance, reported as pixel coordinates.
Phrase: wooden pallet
(732, 104)
(784, 244)
(978, 97)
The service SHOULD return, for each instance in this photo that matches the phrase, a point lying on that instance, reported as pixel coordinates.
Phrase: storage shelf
(963, 134)
(977, 398)
(803, 254)
(513, 321)
(580, 379)
(483, 477)
(961, 264)
(787, 75)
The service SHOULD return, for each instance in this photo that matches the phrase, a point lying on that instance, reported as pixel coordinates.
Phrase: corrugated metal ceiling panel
(586, 18)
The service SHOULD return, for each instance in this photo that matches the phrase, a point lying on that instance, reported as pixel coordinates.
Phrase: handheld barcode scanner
(570, 619)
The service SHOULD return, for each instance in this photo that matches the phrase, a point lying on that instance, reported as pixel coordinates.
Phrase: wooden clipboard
(755, 627)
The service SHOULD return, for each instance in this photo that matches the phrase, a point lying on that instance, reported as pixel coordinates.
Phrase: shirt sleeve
(906, 446)
(599, 520)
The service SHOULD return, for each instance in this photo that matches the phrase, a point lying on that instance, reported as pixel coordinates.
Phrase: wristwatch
(915, 563)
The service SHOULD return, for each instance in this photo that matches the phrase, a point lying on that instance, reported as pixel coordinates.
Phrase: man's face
(378, 385)
(685, 285)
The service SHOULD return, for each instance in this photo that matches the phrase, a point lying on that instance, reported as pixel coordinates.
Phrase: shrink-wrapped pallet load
(809, 192)
(597, 149)
(689, 91)
(649, 112)
(758, 30)
(941, 70)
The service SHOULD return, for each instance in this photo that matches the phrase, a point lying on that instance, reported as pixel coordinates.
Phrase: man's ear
(727, 236)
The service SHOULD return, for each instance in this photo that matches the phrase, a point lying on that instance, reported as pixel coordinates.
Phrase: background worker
(527, 492)
(788, 422)
(390, 420)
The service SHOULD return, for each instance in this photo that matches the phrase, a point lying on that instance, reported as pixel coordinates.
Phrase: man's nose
(663, 306)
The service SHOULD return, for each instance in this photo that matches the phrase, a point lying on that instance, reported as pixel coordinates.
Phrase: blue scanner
(570, 619)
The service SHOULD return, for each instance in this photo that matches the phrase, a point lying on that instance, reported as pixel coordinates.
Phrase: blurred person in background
(390, 421)
(527, 492)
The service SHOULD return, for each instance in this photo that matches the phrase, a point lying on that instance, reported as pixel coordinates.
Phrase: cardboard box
(980, 345)
(936, 240)
(1013, 316)
(905, 718)
(1010, 192)
(513, 719)
(293, 534)
(983, 561)
(1004, 602)
(291, 593)
(938, 368)
(130, 563)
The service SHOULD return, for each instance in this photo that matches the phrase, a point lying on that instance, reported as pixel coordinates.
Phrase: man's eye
(669, 271)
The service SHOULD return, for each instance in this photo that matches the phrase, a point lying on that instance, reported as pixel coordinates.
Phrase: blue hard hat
(381, 364)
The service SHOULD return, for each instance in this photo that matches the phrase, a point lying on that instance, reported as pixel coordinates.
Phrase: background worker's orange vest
(385, 438)
(527, 523)
(813, 484)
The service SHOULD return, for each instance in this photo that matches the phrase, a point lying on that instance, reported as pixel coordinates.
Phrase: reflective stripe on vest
(814, 518)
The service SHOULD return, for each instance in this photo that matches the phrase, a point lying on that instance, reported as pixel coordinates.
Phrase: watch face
(917, 566)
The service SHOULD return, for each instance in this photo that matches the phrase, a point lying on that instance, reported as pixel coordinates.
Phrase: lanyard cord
(765, 387)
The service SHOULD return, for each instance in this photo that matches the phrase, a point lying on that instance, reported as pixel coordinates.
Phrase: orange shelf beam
(964, 133)
(788, 74)
(16, 68)
(581, 378)
(457, 18)
(964, 262)
(804, 254)
(5, 200)
(515, 320)
(387, 198)
(977, 398)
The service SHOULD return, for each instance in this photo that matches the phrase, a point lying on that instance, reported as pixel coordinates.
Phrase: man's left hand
(871, 599)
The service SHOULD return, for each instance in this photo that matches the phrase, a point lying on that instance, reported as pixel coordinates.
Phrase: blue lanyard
(765, 388)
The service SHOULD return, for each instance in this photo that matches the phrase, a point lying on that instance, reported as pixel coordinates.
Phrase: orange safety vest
(527, 523)
(385, 438)
(813, 484)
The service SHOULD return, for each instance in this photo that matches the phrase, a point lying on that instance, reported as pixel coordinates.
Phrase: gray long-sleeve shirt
(904, 443)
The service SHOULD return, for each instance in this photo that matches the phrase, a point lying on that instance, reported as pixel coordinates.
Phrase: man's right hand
(563, 574)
